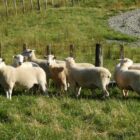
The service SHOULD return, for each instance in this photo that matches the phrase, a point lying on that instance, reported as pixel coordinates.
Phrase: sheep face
(18, 59)
(126, 62)
(28, 53)
(51, 59)
(2, 63)
(70, 60)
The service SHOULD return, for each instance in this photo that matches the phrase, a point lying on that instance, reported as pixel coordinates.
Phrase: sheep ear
(30, 51)
(45, 56)
(14, 56)
(120, 59)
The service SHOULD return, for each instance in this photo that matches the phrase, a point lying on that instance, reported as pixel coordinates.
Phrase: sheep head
(51, 59)
(2, 62)
(28, 53)
(18, 59)
(126, 62)
(70, 60)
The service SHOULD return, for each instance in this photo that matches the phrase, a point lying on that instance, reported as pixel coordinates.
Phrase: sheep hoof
(105, 97)
(77, 96)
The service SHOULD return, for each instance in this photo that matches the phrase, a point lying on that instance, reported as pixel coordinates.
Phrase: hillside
(83, 24)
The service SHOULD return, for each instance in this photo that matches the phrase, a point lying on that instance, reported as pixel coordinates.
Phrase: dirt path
(128, 23)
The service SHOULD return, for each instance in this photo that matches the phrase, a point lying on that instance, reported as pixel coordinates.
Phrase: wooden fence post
(15, 7)
(98, 55)
(0, 50)
(45, 3)
(48, 49)
(23, 6)
(121, 51)
(72, 47)
(24, 47)
(6, 7)
(32, 6)
(72, 1)
(38, 5)
(52, 3)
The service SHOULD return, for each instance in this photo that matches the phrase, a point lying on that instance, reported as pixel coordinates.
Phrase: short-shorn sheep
(88, 77)
(18, 60)
(30, 55)
(127, 79)
(26, 76)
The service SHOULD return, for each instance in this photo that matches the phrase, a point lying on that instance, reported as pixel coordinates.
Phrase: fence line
(72, 49)
(45, 4)
(0, 49)
(6, 7)
(121, 51)
(32, 6)
(15, 7)
(23, 6)
(39, 4)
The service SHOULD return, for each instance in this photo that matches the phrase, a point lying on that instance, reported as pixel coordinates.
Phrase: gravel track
(127, 23)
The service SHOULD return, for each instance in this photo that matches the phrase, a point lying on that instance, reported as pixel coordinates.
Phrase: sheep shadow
(114, 94)
(85, 94)
(20, 90)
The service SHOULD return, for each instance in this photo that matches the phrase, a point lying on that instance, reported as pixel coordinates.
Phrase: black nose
(48, 63)
(19, 63)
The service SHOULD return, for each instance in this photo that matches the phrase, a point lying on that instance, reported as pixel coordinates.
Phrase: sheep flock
(66, 75)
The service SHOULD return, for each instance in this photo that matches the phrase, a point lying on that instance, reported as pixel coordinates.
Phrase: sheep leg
(79, 91)
(68, 85)
(7, 94)
(65, 86)
(105, 93)
(93, 93)
(44, 89)
(125, 93)
(10, 94)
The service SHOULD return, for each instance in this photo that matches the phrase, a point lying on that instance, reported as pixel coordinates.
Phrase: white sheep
(30, 55)
(26, 76)
(127, 79)
(18, 60)
(88, 77)
(135, 66)
(61, 76)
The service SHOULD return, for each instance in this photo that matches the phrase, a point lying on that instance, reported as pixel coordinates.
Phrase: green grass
(84, 24)
(32, 117)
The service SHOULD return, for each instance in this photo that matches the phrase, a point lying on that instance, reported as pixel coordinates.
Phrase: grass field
(36, 117)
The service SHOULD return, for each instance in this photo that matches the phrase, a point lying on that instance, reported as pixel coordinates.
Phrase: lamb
(88, 77)
(26, 76)
(18, 60)
(30, 55)
(58, 73)
(127, 79)
(62, 76)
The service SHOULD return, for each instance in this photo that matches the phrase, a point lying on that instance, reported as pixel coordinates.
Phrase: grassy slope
(38, 117)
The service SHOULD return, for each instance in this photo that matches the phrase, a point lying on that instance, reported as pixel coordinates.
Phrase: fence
(98, 52)
(38, 5)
